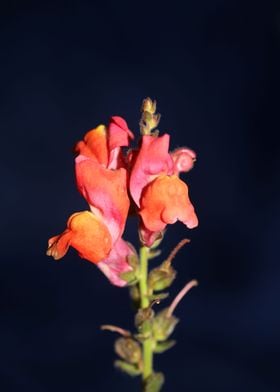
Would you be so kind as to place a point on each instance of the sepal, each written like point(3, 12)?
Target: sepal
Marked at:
point(134, 294)
point(161, 278)
point(127, 368)
point(161, 347)
point(163, 325)
point(129, 350)
point(131, 277)
point(154, 382)
point(159, 296)
point(144, 322)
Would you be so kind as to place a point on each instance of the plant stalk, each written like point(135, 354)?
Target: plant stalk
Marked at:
point(147, 345)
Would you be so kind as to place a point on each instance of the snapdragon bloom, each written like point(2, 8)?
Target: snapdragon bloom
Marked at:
point(158, 192)
point(102, 180)
point(109, 180)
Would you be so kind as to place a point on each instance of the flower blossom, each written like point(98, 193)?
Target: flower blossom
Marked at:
point(158, 192)
point(101, 178)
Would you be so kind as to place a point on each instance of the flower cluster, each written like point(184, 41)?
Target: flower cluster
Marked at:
point(117, 182)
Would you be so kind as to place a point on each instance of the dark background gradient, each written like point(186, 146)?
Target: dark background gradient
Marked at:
point(213, 67)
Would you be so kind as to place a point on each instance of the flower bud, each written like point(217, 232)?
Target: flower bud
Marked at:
point(128, 349)
point(163, 326)
point(149, 106)
point(149, 119)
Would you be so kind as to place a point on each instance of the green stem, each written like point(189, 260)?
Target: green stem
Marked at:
point(143, 286)
point(143, 281)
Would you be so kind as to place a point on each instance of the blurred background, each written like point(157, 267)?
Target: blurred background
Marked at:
point(213, 67)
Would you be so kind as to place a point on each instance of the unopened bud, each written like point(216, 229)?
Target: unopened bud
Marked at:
point(149, 119)
point(128, 349)
point(149, 106)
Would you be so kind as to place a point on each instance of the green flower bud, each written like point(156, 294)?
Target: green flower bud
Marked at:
point(163, 326)
point(149, 106)
point(149, 119)
point(128, 349)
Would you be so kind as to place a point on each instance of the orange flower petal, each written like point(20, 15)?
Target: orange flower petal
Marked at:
point(164, 201)
point(87, 234)
point(151, 161)
point(94, 145)
point(105, 190)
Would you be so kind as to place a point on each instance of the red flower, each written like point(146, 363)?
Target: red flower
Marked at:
point(162, 198)
point(102, 180)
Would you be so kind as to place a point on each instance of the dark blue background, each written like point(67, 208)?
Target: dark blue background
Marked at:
point(213, 67)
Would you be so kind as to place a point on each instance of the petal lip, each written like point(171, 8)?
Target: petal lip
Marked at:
point(84, 232)
point(166, 201)
point(119, 134)
point(121, 124)
point(94, 145)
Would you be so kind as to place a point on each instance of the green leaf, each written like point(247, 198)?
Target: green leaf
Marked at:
point(161, 347)
point(154, 382)
point(127, 368)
